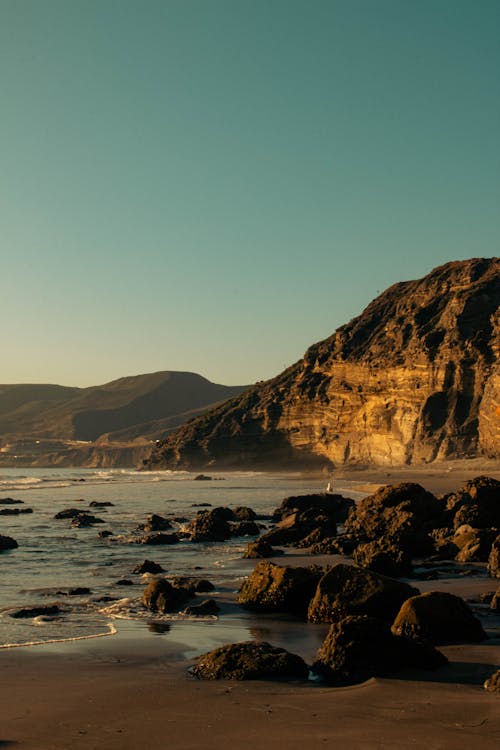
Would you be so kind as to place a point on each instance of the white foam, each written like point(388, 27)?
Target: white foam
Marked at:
point(111, 631)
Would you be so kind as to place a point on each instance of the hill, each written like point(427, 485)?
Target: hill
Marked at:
point(413, 379)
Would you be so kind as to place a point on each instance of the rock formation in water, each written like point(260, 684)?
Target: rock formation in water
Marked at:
point(413, 379)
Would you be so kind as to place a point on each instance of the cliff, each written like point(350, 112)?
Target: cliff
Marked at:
point(413, 379)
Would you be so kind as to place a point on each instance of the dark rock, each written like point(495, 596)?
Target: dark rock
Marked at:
point(82, 520)
point(383, 557)
point(348, 590)
point(341, 545)
point(161, 596)
point(244, 528)
point(474, 545)
point(101, 504)
point(10, 501)
point(192, 584)
point(148, 566)
point(206, 607)
point(77, 591)
point(403, 513)
point(242, 513)
point(14, 511)
point(438, 617)
point(477, 503)
point(104, 534)
point(253, 660)
point(272, 588)
point(359, 647)
point(155, 522)
point(260, 549)
point(201, 505)
point(157, 539)
point(303, 528)
point(48, 610)
point(492, 684)
point(202, 478)
point(124, 582)
point(494, 559)
point(68, 513)
point(106, 599)
point(495, 601)
point(211, 526)
point(335, 507)
point(7, 542)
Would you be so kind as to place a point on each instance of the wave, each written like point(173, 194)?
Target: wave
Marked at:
point(111, 631)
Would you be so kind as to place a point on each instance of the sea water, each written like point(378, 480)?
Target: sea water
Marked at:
point(53, 557)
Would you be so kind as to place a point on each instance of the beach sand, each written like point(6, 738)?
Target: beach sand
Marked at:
point(127, 693)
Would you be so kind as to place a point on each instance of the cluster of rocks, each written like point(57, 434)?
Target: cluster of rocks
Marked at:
point(166, 596)
point(378, 625)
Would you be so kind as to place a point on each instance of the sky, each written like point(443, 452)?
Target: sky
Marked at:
point(214, 185)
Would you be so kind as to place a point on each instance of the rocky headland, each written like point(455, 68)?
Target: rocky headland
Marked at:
point(414, 379)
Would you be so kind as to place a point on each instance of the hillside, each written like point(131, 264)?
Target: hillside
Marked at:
point(45, 424)
point(413, 379)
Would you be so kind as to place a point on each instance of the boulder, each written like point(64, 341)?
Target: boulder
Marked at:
point(161, 596)
point(492, 684)
point(68, 513)
point(7, 542)
point(14, 511)
point(10, 501)
point(148, 566)
point(260, 549)
point(104, 534)
point(334, 506)
point(474, 545)
point(476, 503)
point(157, 539)
point(359, 647)
point(211, 526)
point(404, 513)
point(252, 660)
point(194, 585)
point(244, 528)
point(349, 590)
point(273, 588)
point(341, 545)
point(242, 513)
point(155, 522)
point(124, 582)
point(495, 601)
point(303, 528)
point(83, 520)
point(206, 607)
point(494, 559)
point(438, 617)
point(49, 610)
point(383, 557)
point(101, 504)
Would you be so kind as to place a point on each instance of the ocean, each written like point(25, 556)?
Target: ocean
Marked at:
point(53, 557)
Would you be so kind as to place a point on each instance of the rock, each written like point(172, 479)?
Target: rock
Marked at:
point(124, 582)
point(148, 566)
point(438, 617)
point(474, 545)
point(348, 590)
point(14, 511)
point(303, 528)
point(359, 647)
point(272, 588)
point(7, 542)
point(494, 559)
point(495, 601)
point(244, 528)
point(46, 611)
point(68, 513)
point(161, 596)
point(155, 522)
point(477, 503)
point(202, 478)
point(403, 514)
point(201, 505)
point(253, 660)
point(211, 526)
point(82, 520)
point(194, 585)
point(201, 585)
point(242, 513)
point(341, 545)
point(157, 539)
point(100, 504)
point(333, 506)
point(104, 534)
point(492, 684)
point(260, 549)
point(206, 607)
point(10, 501)
point(76, 591)
point(384, 558)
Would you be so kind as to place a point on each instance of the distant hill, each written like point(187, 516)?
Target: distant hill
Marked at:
point(140, 407)
point(414, 379)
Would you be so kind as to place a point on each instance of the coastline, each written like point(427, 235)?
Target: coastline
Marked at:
point(133, 690)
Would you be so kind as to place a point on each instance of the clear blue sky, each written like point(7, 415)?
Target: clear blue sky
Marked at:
point(214, 185)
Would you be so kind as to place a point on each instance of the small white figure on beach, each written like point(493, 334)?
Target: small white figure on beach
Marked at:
point(329, 486)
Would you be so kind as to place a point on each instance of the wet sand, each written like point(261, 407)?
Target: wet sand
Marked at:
point(126, 692)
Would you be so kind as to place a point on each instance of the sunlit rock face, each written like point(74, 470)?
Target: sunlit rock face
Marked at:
point(413, 379)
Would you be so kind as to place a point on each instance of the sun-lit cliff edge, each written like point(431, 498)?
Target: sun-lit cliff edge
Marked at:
point(413, 379)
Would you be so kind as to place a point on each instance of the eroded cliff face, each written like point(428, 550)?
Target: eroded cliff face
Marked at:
point(414, 378)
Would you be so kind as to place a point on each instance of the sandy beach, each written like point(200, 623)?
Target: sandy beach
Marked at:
point(127, 691)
